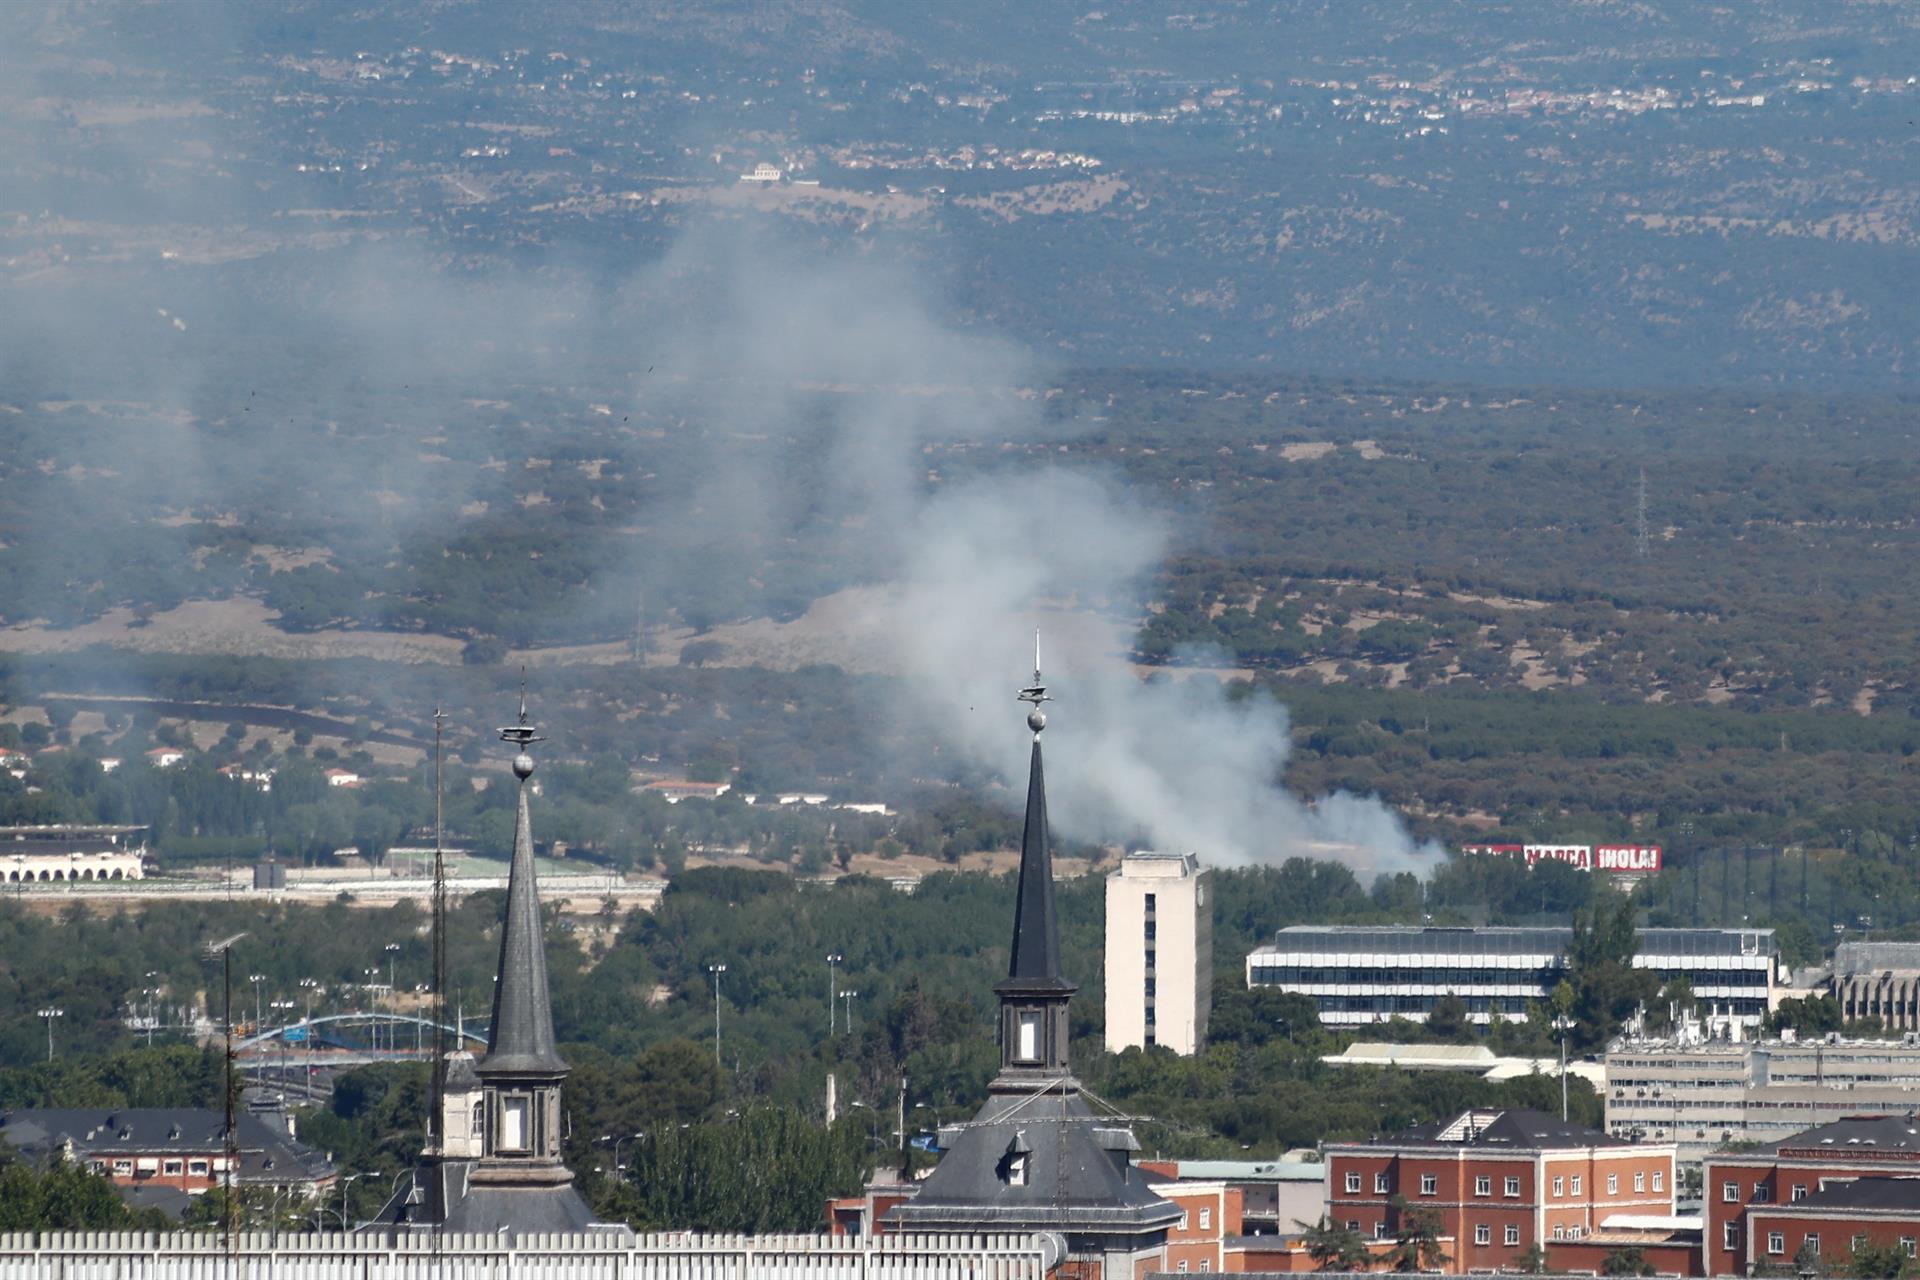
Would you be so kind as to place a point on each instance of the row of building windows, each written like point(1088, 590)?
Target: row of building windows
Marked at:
point(1777, 1243)
point(1417, 1004)
point(1762, 1193)
point(1270, 973)
point(124, 1167)
point(1430, 1185)
point(1563, 1185)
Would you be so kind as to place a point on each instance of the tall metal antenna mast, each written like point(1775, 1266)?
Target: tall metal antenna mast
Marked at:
point(1641, 541)
point(436, 1138)
point(231, 1143)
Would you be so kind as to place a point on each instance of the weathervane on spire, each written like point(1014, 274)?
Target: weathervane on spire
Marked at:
point(523, 734)
point(1036, 693)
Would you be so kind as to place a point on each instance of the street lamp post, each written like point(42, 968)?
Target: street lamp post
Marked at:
point(833, 959)
point(372, 975)
point(1563, 1024)
point(346, 1181)
point(152, 993)
point(282, 1010)
point(393, 996)
point(311, 987)
point(49, 1014)
point(849, 997)
point(256, 979)
point(716, 970)
point(616, 1140)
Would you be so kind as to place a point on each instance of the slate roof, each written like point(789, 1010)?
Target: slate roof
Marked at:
point(1519, 1129)
point(521, 1042)
point(1099, 1191)
point(1900, 1195)
point(268, 1154)
point(1036, 926)
point(439, 1197)
point(1857, 1133)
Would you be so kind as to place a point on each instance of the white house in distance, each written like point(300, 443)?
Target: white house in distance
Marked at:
point(165, 757)
point(343, 778)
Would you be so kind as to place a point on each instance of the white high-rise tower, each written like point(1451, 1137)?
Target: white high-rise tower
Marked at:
point(1159, 952)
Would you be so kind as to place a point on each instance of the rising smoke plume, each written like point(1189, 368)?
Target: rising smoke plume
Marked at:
point(972, 566)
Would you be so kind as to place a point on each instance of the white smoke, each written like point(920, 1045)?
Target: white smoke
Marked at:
point(977, 562)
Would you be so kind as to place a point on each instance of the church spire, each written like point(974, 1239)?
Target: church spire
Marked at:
point(1036, 927)
point(522, 1037)
point(1033, 997)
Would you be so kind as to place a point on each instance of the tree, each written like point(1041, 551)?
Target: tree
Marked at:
point(1334, 1247)
point(1606, 988)
point(1417, 1246)
point(1532, 1260)
point(1625, 1262)
point(1880, 1262)
point(65, 1197)
point(1448, 1019)
point(1807, 1015)
point(1674, 1003)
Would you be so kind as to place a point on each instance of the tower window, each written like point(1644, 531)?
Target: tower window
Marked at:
point(1017, 1171)
point(1027, 1041)
point(515, 1113)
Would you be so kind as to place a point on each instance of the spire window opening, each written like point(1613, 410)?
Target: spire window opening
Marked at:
point(1027, 1038)
point(516, 1114)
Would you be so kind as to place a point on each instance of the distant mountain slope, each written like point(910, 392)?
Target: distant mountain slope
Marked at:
point(1610, 192)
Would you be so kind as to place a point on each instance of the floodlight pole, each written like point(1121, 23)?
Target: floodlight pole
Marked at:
point(716, 970)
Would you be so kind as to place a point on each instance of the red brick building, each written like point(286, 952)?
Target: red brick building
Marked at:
point(1784, 1174)
point(1834, 1223)
point(1500, 1181)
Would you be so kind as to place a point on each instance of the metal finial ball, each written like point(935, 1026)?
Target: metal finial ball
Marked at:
point(523, 766)
point(1036, 720)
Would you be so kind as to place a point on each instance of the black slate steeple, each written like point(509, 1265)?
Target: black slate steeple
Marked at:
point(1036, 927)
point(522, 1037)
point(522, 1071)
point(1033, 998)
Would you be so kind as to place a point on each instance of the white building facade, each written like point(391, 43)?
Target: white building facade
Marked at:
point(1363, 974)
point(1159, 952)
point(1701, 1096)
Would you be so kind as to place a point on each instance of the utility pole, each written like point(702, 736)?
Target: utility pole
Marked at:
point(716, 970)
point(437, 1077)
point(833, 958)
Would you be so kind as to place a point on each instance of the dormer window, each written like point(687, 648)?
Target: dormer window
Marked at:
point(1015, 1163)
point(1027, 1036)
